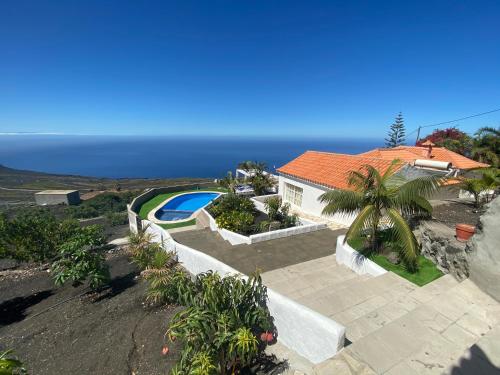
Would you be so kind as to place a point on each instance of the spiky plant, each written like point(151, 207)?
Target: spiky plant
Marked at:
point(220, 327)
point(142, 248)
point(375, 196)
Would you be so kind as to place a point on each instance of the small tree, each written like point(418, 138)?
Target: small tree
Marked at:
point(451, 138)
point(82, 258)
point(396, 134)
point(478, 187)
point(278, 212)
point(375, 196)
point(486, 146)
point(259, 179)
point(229, 182)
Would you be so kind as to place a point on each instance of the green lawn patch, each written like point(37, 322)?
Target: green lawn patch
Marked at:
point(427, 270)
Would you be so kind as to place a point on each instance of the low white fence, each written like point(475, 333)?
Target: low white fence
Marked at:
point(346, 255)
point(312, 335)
point(237, 239)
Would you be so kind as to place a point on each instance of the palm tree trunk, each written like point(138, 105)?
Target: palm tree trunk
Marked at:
point(374, 229)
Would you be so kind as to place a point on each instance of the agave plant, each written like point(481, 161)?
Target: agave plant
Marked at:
point(374, 197)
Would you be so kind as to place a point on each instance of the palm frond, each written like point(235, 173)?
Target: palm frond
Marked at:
point(341, 201)
point(361, 222)
point(390, 171)
point(405, 237)
point(420, 187)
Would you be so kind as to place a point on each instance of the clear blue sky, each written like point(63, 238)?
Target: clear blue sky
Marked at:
point(309, 68)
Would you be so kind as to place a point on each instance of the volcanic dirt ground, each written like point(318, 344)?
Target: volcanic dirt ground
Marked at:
point(113, 332)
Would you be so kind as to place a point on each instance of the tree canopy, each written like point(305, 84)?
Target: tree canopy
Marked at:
point(396, 134)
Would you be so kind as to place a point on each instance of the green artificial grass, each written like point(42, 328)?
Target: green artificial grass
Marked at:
point(178, 225)
point(427, 270)
point(155, 201)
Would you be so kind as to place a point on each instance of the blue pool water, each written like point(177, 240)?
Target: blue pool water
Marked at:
point(183, 206)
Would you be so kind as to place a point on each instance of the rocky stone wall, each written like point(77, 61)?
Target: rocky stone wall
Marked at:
point(440, 245)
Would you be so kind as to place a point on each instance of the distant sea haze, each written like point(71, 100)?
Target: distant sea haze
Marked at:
point(160, 157)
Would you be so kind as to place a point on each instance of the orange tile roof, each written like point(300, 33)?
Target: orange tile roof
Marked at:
point(329, 169)
point(411, 153)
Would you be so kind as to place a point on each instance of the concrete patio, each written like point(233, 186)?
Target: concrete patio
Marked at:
point(266, 255)
point(394, 326)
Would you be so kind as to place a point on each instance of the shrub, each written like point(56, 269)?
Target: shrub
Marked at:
point(100, 205)
point(168, 283)
point(236, 221)
point(10, 365)
point(116, 218)
point(82, 258)
point(34, 235)
point(231, 202)
point(279, 216)
point(220, 327)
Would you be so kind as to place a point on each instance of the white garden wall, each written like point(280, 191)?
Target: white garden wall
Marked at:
point(237, 239)
point(346, 255)
point(310, 200)
point(310, 334)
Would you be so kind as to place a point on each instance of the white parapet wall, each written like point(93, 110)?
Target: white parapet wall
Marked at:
point(346, 255)
point(310, 334)
point(233, 238)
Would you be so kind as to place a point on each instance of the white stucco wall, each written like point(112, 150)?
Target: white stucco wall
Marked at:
point(346, 255)
point(312, 335)
point(310, 200)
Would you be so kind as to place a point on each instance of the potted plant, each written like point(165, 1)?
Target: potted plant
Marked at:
point(464, 231)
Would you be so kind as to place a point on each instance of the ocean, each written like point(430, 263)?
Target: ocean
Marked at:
point(159, 157)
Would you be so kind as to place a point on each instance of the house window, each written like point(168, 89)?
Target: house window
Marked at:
point(293, 194)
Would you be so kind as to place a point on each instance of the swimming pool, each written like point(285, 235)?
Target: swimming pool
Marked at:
point(183, 206)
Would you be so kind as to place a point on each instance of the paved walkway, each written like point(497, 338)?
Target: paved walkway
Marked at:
point(266, 255)
point(394, 326)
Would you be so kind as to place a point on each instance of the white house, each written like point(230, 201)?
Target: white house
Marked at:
point(303, 180)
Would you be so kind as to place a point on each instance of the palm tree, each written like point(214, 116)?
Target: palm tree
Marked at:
point(388, 196)
point(229, 182)
point(258, 178)
point(475, 187)
point(486, 146)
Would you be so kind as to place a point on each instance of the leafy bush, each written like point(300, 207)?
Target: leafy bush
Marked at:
point(231, 202)
point(82, 258)
point(10, 365)
point(168, 281)
point(278, 214)
point(142, 249)
point(34, 235)
point(220, 327)
point(101, 204)
point(236, 221)
point(116, 218)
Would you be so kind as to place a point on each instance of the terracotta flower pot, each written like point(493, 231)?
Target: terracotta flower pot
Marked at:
point(464, 231)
